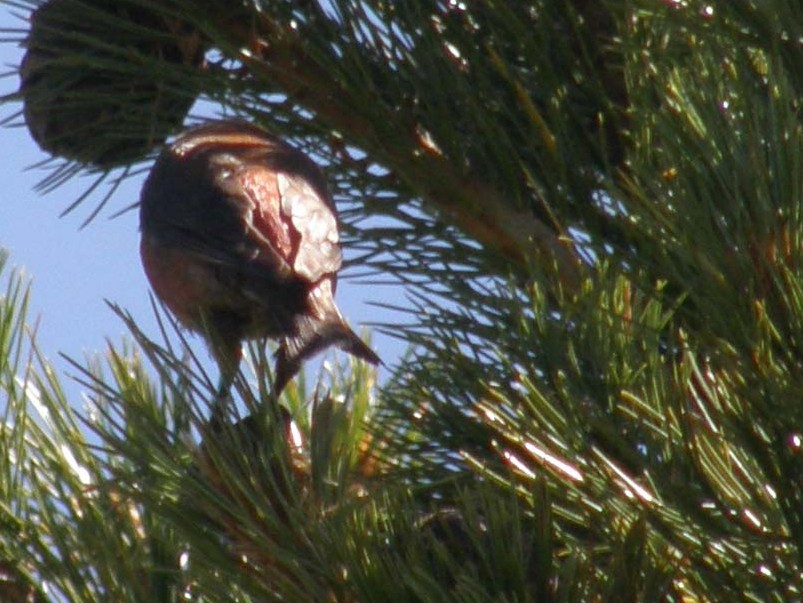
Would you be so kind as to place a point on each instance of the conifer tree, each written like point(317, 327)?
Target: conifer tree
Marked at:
point(594, 209)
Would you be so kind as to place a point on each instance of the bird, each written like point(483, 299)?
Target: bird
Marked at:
point(240, 240)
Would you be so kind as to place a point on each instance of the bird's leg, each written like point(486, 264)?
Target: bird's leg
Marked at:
point(227, 350)
point(228, 363)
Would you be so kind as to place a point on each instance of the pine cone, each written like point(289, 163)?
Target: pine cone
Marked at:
point(98, 79)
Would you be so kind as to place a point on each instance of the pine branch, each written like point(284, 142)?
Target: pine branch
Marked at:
point(625, 427)
point(403, 145)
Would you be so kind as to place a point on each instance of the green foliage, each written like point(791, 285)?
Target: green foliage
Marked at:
point(595, 210)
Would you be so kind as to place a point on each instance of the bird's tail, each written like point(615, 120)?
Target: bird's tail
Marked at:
point(313, 337)
point(351, 343)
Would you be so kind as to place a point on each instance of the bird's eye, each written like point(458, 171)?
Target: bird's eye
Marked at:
point(225, 164)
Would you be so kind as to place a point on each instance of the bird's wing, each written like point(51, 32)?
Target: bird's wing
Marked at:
point(268, 236)
point(264, 211)
point(223, 211)
point(312, 218)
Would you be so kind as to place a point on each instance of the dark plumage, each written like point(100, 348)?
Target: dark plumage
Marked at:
point(240, 240)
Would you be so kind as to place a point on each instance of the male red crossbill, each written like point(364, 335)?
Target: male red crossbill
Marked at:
point(240, 241)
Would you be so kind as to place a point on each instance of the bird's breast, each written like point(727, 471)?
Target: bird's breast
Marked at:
point(178, 279)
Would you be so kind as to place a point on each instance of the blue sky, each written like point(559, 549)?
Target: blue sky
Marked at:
point(74, 270)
